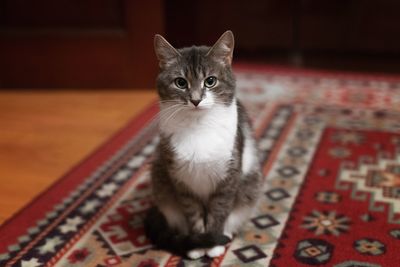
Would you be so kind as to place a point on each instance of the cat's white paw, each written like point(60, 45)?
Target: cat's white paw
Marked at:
point(196, 253)
point(216, 251)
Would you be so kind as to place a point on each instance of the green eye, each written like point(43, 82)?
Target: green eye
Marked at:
point(181, 83)
point(210, 82)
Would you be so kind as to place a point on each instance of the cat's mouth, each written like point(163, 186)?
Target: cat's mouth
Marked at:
point(199, 108)
point(203, 105)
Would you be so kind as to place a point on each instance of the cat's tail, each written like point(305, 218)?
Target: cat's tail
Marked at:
point(157, 230)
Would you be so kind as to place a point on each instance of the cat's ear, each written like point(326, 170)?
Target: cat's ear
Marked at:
point(165, 52)
point(222, 50)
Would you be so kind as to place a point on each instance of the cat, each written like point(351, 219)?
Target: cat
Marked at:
point(206, 176)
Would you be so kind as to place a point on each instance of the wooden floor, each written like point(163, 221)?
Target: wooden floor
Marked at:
point(44, 133)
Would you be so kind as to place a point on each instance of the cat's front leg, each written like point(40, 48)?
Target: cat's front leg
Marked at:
point(219, 207)
point(218, 211)
point(194, 212)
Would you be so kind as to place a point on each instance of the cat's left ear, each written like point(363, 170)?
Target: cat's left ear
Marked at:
point(222, 50)
point(165, 52)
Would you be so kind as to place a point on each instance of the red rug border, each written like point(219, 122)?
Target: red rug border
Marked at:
point(35, 209)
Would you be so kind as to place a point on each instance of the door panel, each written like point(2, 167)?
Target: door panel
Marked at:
point(79, 44)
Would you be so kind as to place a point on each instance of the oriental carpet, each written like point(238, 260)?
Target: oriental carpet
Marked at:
point(330, 148)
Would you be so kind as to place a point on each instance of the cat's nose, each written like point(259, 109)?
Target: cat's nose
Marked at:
point(195, 102)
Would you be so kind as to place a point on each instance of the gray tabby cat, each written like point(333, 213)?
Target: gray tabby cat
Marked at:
point(206, 176)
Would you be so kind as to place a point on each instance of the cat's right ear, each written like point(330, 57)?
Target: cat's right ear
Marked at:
point(165, 52)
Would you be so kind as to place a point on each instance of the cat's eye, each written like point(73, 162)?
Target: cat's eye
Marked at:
point(210, 82)
point(181, 83)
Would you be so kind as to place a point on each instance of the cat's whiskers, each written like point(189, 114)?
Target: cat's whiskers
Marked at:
point(165, 111)
point(175, 112)
point(165, 106)
point(169, 101)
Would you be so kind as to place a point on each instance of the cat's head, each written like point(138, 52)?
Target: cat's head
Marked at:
point(198, 77)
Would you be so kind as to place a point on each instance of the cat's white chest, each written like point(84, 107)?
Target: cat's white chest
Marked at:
point(203, 148)
point(203, 143)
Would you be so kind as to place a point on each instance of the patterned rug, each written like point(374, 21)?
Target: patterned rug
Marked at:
point(330, 145)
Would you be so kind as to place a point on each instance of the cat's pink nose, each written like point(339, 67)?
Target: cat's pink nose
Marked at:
point(195, 102)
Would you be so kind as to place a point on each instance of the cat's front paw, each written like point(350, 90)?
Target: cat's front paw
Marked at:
point(215, 251)
point(195, 254)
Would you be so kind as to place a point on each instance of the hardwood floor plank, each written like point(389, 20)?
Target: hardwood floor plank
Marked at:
point(44, 133)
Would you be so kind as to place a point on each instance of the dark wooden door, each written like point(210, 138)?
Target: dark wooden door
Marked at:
point(78, 43)
point(350, 26)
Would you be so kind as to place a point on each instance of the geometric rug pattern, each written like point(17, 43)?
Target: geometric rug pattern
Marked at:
point(330, 147)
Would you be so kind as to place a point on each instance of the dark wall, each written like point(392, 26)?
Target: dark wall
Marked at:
point(109, 43)
point(261, 24)
point(301, 31)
